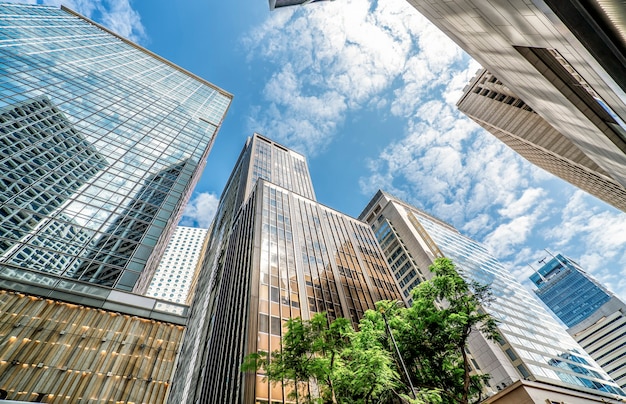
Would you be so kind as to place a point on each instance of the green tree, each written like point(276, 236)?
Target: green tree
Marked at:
point(368, 372)
point(344, 366)
point(432, 334)
point(425, 343)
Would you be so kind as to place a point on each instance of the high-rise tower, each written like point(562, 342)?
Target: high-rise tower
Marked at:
point(564, 59)
point(286, 3)
point(594, 316)
point(533, 346)
point(173, 278)
point(491, 104)
point(102, 143)
point(274, 253)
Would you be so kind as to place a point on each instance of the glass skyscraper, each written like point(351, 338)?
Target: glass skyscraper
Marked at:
point(594, 316)
point(533, 346)
point(274, 253)
point(568, 291)
point(101, 144)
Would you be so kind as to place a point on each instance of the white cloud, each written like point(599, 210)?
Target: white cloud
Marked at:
point(117, 15)
point(328, 60)
point(478, 224)
point(336, 58)
point(504, 240)
point(200, 210)
point(120, 17)
point(528, 199)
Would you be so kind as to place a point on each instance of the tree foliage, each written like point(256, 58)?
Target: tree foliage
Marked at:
point(343, 365)
point(432, 334)
point(394, 347)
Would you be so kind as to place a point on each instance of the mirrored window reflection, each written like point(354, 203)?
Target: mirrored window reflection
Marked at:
point(99, 142)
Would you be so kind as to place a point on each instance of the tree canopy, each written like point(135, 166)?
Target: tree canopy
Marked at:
point(423, 346)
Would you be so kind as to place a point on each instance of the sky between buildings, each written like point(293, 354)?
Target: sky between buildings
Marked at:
point(366, 89)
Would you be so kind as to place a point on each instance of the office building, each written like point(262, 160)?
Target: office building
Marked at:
point(532, 346)
point(175, 274)
point(101, 144)
point(565, 60)
point(286, 3)
point(491, 104)
point(594, 316)
point(274, 253)
point(568, 291)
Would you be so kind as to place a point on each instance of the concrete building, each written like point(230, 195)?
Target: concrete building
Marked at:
point(101, 144)
point(529, 392)
point(175, 274)
point(594, 316)
point(564, 59)
point(491, 104)
point(533, 345)
point(274, 253)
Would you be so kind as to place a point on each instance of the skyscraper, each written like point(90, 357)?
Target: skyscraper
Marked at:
point(564, 59)
point(286, 3)
point(102, 143)
point(274, 253)
point(594, 316)
point(568, 291)
point(173, 278)
point(492, 105)
point(533, 345)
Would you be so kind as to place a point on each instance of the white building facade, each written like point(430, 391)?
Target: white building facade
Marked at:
point(174, 275)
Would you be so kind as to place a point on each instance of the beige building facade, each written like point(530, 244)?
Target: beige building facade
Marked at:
point(532, 392)
point(491, 104)
point(564, 59)
point(532, 345)
point(119, 348)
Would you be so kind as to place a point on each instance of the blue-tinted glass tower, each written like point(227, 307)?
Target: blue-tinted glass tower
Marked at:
point(101, 144)
point(594, 316)
point(568, 291)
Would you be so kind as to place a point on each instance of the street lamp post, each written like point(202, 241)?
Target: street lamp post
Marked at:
point(393, 340)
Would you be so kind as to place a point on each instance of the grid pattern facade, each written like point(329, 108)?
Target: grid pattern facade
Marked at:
point(282, 255)
point(544, 50)
point(172, 279)
point(595, 317)
point(402, 264)
point(497, 109)
point(605, 339)
point(281, 166)
point(536, 347)
point(568, 291)
point(111, 137)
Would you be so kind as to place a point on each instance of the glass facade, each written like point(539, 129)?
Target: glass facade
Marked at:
point(568, 291)
point(101, 143)
point(594, 316)
point(536, 345)
point(280, 255)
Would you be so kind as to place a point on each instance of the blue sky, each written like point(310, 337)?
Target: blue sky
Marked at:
point(366, 90)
